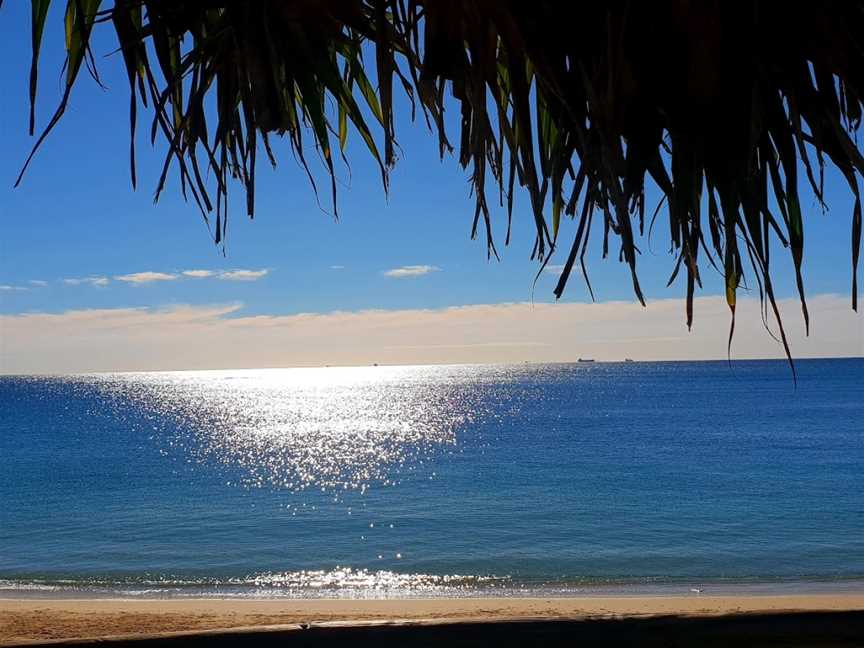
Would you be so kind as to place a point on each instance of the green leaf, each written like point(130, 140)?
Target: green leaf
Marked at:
point(343, 126)
point(39, 13)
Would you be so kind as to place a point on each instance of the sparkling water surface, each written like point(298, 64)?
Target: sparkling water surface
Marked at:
point(434, 480)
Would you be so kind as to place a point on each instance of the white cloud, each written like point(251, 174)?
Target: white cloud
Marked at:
point(185, 337)
point(243, 275)
point(337, 267)
point(140, 278)
point(410, 271)
point(145, 277)
point(8, 288)
point(38, 283)
point(555, 269)
point(92, 281)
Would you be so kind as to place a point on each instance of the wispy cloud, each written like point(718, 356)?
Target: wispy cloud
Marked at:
point(145, 277)
point(150, 276)
point(184, 337)
point(38, 283)
point(410, 271)
point(243, 275)
point(82, 281)
point(556, 269)
point(337, 267)
point(8, 288)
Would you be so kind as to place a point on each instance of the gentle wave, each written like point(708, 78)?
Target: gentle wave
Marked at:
point(348, 583)
point(343, 582)
point(339, 579)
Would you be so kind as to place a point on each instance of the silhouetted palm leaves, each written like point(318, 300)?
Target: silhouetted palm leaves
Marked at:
point(718, 102)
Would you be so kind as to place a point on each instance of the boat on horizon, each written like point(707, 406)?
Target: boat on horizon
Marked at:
point(585, 360)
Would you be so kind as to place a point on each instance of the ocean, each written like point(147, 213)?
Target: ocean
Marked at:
point(423, 481)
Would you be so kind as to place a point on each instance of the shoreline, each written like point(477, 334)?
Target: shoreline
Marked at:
point(44, 590)
point(28, 620)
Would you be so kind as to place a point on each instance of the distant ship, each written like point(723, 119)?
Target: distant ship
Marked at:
point(628, 359)
point(585, 360)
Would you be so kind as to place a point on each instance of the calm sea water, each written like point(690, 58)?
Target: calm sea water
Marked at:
point(425, 481)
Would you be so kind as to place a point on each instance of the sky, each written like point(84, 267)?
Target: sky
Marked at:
point(95, 277)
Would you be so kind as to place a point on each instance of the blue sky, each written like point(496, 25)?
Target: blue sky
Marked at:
point(75, 216)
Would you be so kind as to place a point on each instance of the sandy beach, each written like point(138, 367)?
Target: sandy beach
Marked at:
point(28, 620)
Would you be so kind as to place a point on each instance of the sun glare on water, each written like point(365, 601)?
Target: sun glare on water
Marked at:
point(329, 428)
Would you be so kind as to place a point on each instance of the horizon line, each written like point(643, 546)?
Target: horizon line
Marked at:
point(384, 365)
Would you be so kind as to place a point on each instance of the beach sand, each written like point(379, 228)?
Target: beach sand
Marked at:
point(25, 620)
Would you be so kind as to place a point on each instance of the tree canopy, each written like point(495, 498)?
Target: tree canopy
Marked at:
point(721, 104)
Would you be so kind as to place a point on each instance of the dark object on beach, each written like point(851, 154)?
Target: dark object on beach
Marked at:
point(720, 104)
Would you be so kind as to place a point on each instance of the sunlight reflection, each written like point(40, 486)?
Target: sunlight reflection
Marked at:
point(334, 428)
